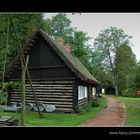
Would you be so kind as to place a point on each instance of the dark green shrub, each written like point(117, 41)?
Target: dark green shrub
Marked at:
point(3, 98)
point(5, 90)
point(129, 93)
point(85, 108)
point(95, 102)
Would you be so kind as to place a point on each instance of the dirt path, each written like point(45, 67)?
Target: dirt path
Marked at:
point(113, 115)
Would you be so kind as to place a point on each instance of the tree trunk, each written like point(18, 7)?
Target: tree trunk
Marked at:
point(23, 112)
point(116, 90)
point(116, 84)
point(23, 95)
point(115, 74)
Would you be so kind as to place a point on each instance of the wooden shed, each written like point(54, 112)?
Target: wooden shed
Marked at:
point(59, 78)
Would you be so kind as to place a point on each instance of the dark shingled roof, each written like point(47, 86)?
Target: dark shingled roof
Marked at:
point(72, 62)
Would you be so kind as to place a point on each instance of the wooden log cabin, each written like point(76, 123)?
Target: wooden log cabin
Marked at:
point(59, 78)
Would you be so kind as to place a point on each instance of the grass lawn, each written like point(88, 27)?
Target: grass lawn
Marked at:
point(133, 110)
point(59, 119)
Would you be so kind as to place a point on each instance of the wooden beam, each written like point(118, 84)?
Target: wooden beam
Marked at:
point(89, 92)
point(23, 113)
point(23, 90)
point(75, 96)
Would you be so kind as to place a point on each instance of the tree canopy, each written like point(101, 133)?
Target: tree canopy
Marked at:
point(59, 26)
point(107, 43)
point(125, 66)
point(25, 24)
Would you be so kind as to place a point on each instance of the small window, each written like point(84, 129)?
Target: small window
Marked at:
point(82, 92)
point(85, 92)
point(103, 90)
point(94, 91)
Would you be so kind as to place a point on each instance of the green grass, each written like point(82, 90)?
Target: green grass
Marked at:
point(59, 119)
point(133, 110)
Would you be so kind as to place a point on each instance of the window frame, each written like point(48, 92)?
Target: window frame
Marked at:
point(82, 92)
point(94, 91)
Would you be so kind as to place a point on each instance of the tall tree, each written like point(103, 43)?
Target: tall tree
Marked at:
point(80, 46)
point(25, 25)
point(106, 43)
point(96, 68)
point(125, 64)
point(59, 26)
point(137, 76)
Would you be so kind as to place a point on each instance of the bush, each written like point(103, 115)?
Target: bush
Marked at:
point(129, 93)
point(4, 91)
point(95, 102)
point(3, 98)
point(85, 108)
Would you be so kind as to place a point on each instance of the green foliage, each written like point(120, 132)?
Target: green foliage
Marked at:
point(81, 48)
point(59, 26)
point(96, 67)
point(12, 85)
point(96, 102)
point(3, 98)
point(137, 76)
point(6, 87)
point(129, 92)
point(25, 24)
point(85, 109)
point(125, 66)
point(106, 44)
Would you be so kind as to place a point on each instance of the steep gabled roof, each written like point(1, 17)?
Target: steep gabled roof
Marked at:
point(72, 62)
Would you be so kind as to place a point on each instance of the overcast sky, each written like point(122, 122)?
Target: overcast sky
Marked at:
point(93, 23)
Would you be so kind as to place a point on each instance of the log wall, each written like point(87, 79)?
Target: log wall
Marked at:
point(58, 93)
point(82, 103)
